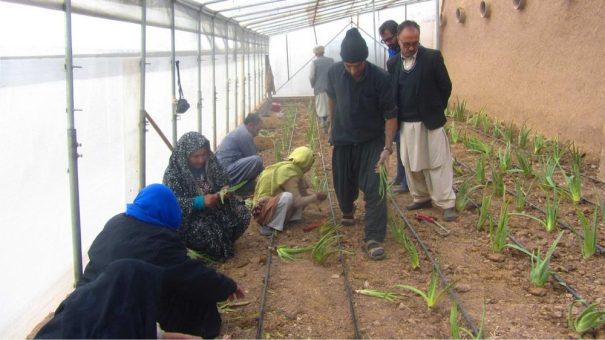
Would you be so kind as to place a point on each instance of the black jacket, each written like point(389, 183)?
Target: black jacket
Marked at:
point(435, 85)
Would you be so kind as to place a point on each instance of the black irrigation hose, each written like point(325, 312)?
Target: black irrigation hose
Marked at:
point(452, 293)
point(341, 257)
point(567, 169)
point(556, 277)
point(562, 224)
point(263, 298)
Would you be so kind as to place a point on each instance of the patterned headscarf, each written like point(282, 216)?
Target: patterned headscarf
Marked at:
point(178, 175)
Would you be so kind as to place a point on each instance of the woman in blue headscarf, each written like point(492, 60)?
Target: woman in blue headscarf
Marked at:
point(147, 231)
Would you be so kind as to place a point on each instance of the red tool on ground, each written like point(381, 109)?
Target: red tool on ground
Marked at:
point(443, 231)
point(311, 226)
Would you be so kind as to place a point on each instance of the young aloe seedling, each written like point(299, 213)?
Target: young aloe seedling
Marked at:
point(463, 195)
point(384, 187)
point(277, 146)
point(574, 186)
point(476, 145)
point(556, 151)
point(455, 328)
point(504, 158)
point(229, 190)
point(198, 255)
point(288, 254)
point(589, 242)
point(524, 163)
point(538, 144)
point(523, 136)
point(540, 270)
point(548, 172)
point(576, 159)
point(484, 215)
point(497, 181)
point(521, 195)
point(455, 135)
point(459, 110)
point(403, 240)
point(325, 247)
point(388, 296)
point(432, 295)
point(508, 133)
point(498, 237)
point(480, 170)
point(552, 211)
point(589, 318)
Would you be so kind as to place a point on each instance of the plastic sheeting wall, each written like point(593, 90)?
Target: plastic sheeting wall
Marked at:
point(301, 43)
point(35, 247)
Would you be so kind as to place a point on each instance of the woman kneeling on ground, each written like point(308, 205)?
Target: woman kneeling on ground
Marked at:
point(281, 192)
point(194, 174)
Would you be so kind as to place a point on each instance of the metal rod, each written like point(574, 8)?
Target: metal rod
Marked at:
point(236, 77)
point(374, 32)
point(72, 150)
point(141, 124)
point(227, 80)
point(263, 13)
point(248, 6)
point(254, 74)
point(287, 58)
point(214, 98)
point(159, 131)
point(273, 15)
point(172, 71)
point(242, 77)
point(248, 84)
point(437, 26)
point(199, 74)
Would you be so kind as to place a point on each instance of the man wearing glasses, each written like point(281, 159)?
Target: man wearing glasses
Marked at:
point(422, 88)
point(388, 34)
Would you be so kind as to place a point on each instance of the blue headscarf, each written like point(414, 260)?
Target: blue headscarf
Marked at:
point(156, 204)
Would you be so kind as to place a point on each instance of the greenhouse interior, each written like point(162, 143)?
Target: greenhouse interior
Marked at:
point(480, 161)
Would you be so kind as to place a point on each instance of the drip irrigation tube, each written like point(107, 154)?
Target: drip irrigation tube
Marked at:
point(452, 293)
point(562, 224)
point(341, 257)
point(263, 297)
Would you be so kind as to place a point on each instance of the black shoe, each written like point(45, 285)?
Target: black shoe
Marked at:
point(419, 205)
point(450, 214)
point(265, 231)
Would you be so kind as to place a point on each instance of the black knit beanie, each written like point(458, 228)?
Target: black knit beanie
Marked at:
point(353, 48)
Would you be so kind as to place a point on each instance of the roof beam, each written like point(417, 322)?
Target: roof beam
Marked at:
point(290, 14)
point(247, 6)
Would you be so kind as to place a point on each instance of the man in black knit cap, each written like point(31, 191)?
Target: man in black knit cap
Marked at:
point(363, 118)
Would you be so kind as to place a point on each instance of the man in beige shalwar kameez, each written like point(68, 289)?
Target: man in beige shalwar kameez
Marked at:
point(422, 89)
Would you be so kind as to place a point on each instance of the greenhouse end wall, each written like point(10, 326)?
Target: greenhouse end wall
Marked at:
point(542, 65)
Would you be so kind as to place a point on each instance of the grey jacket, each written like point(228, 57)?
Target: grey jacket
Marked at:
point(319, 73)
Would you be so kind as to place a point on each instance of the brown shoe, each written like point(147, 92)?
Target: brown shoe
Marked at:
point(419, 205)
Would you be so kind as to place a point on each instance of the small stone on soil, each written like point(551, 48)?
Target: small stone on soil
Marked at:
point(537, 291)
point(335, 276)
point(463, 288)
point(496, 257)
point(366, 284)
point(401, 306)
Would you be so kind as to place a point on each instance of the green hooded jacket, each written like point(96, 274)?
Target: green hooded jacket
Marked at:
point(270, 181)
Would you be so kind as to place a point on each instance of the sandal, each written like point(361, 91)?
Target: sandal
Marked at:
point(374, 250)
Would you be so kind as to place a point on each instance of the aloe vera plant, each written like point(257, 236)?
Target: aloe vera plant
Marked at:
point(459, 110)
point(477, 145)
point(523, 136)
point(277, 147)
point(576, 159)
point(498, 236)
point(497, 181)
point(548, 172)
point(521, 195)
point(228, 190)
point(524, 163)
point(508, 133)
point(325, 247)
point(384, 187)
point(400, 236)
point(505, 160)
point(574, 186)
point(288, 253)
point(454, 134)
point(198, 255)
point(463, 195)
point(590, 318)
point(388, 296)
point(432, 294)
point(455, 328)
point(484, 214)
point(551, 209)
point(556, 151)
point(589, 228)
point(480, 170)
point(540, 267)
point(538, 143)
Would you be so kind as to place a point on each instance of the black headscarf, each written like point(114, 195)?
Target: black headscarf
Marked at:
point(353, 48)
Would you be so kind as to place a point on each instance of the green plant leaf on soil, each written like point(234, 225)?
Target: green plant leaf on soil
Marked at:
point(590, 318)
point(432, 294)
point(589, 239)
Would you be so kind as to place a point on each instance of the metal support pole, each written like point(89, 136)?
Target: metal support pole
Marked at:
point(242, 77)
point(236, 77)
point(214, 98)
point(254, 73)
point(142, 125)
point(248, 70)
point(199, 73)
point(437, 26)
point(287, 57)
point(172, 71)
point(374, 42)
point(405, 11)
point(227, 78)
point(72, 150)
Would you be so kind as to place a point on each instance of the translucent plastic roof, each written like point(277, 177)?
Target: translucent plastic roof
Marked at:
point(273, 17)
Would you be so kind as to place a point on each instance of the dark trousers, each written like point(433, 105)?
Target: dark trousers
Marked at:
point(354, 168)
